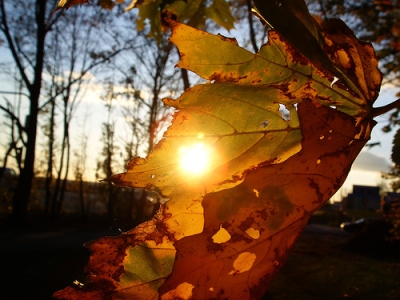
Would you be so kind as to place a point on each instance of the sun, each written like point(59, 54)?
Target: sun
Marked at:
point(194, 159)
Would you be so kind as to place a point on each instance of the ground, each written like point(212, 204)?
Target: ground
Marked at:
point(39, 261)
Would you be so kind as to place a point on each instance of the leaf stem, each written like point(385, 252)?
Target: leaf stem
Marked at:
point(378, 111)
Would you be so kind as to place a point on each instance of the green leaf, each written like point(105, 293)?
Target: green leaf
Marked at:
point(239, 131)
point(248, 86)
point(146, 266)
point(276, 64)
point(219, 12)
point(193, 12)
point(150, 11)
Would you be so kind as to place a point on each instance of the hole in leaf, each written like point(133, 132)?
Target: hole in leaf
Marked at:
point(182, 291)
point(222, 236)
point(78, 284)
point(257, 192)
point(335, 79)
point(154, 197)
point(285, 113)
point(265, 124)
point(243, 263)
point(164, 200)
point(253, 233)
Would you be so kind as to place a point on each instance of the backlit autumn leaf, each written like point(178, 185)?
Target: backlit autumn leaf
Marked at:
point(266, 212)
point(106, 4)
point(192, 12)
point(68, 3)
point(276, 136)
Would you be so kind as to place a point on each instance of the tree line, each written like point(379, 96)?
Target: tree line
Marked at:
point(53, 60)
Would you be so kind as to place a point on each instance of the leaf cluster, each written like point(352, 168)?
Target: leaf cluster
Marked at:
point(193, 12)
point(281, 127)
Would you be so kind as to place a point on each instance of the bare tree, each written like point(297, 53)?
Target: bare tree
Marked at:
point(24, 27)
point(80, 166)
point(150, 78)
point(51, 78)
point(146, 76)
point(107, 163)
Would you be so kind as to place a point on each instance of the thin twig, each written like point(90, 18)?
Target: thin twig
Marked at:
point(378, 111)
point(14, 118)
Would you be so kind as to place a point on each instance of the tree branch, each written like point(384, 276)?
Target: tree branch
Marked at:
point(11, 45)
point(14, 93)
point(82, 74)
point(13, 117)
point(185, 79)
point(378, 111)
point(251, 27)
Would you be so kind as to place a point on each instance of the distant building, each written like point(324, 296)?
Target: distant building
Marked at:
point(363, 197)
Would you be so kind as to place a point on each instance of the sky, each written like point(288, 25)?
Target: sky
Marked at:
point(368, 167)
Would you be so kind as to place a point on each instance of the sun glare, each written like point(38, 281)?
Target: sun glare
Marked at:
point(195, 159)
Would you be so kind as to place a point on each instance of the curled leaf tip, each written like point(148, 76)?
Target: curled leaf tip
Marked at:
point(69, 3)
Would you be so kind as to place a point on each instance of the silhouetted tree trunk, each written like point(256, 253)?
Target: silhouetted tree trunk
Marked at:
point(59, 184)
point(50, 158)
point(81, 197)
point(251, 26)
point(24, 186)
point(12, 145)
point(80, 167)
point(109, 148)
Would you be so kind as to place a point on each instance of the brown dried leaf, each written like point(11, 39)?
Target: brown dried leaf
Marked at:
point(264, 215)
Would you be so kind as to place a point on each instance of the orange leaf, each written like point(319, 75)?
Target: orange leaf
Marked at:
point(264, 215)
point(68, 3)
